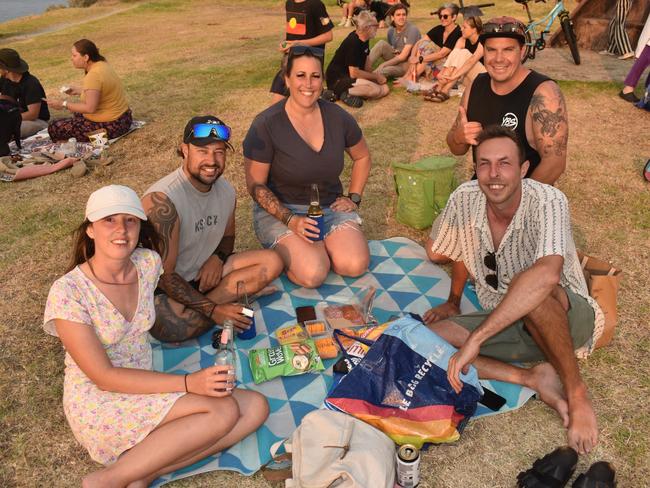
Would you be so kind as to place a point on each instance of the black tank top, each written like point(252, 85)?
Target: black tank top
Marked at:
point(509, 110)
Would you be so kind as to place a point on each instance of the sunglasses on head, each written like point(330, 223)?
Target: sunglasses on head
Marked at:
point(220, 131)
point(491, 27)
point(301, 49)
point(490, 262)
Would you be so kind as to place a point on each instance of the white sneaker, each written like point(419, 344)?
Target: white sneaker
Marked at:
point(343, 21)
point(348, 22)
point(627, 55)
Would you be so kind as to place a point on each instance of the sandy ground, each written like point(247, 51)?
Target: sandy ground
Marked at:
point(558, 64)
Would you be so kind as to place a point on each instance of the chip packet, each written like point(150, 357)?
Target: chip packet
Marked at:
point(285, 360)
point(291, 334)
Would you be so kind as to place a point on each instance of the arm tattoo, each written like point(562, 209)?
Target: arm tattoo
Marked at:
point(553, 125)
point(163, 216)
point(171, 326)
point(180, 290)
point(266, 199)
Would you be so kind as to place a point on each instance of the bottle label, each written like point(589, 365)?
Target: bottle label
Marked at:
point(225, 336)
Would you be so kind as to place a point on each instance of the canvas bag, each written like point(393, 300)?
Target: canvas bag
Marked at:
point(332, 449)
point(423, 189)
point(603, 280)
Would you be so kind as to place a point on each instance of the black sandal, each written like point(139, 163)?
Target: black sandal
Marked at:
point(351, 100)
point(599, 475)
point(552, 471)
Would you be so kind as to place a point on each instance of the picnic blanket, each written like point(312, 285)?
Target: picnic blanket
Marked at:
point(41, 141)
point(406, 281)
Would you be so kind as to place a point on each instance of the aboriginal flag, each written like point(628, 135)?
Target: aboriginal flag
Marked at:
point(296, 23)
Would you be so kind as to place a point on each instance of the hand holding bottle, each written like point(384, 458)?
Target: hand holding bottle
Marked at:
point(214, 381)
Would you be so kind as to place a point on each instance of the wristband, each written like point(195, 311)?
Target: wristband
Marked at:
point(221, 255)
point(185, 380)
point(288, 219)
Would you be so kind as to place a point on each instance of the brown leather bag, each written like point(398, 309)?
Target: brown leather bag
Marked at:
point(602, 280)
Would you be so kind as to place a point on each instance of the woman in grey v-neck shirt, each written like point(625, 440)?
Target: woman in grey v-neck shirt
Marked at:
point(290, 146)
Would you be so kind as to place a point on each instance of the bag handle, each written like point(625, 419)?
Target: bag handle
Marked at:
point(585, 260)
point(362, 340)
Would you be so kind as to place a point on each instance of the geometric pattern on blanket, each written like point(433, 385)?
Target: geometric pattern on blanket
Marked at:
point(406, 281)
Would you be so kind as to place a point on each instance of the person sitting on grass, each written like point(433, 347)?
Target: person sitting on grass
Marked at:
point(19, 84)
point(138, 423)
point(102, 104)
point(463, 63)
point(434, 47)
point(513, 234)
point(351, 8)
point(193, 210)
point(349, 75)
point(401, 36)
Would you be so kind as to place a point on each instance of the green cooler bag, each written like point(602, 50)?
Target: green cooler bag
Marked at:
point(423, 189)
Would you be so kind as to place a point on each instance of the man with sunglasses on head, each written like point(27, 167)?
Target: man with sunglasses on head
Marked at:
point(514, 236)
point(193, 210)
point(307, 23)
point(515, 97)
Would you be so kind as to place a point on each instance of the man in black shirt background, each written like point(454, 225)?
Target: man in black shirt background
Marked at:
point(516, 97)
point(17, 83)
point(349, 74)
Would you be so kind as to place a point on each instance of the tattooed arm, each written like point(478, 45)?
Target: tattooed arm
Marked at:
point(161, 212)
point(257, 174)
point(548, 122)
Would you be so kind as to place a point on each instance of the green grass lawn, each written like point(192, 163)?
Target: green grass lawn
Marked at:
point(180, 58)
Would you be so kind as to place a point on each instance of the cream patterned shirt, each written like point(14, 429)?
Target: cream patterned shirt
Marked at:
point(540, 227)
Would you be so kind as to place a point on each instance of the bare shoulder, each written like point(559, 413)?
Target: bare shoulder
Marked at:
point(548, 110)
point(547, 95)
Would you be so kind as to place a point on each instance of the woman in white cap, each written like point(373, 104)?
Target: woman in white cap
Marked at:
point(137, 422)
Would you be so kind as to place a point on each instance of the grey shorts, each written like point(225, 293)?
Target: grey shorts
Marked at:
point(270, 230)
point(516, 344)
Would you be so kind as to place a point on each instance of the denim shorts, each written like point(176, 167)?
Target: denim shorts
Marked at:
point(270, 230)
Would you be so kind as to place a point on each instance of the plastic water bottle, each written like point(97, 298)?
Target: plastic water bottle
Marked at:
point(70, 147)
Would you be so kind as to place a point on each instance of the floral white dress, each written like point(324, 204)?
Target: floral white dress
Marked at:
point(107, 423)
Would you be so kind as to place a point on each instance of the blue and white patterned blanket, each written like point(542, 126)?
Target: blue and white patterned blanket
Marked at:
point(406, 281)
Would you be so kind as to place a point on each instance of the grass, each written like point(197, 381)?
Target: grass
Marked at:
point(180, 58)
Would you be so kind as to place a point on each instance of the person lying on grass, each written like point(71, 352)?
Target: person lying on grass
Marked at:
point(514, 236)
point(137, 422)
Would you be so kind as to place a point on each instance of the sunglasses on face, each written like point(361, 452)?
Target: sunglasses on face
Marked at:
point(443, 16)
point(490, 262)
point(301, 49)
point(508, 27)
point(220, 131)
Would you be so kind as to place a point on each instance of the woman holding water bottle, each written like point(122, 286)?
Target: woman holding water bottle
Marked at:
point(139, 423)
point(291, 146)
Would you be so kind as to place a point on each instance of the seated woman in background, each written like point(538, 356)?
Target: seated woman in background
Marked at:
point(463, 63)
point(102, 102)
point(296, 143)
point(139, 423)
point(18, 83)
point(435, 46)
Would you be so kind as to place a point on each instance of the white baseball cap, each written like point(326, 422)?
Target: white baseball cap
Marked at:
point(111, 200)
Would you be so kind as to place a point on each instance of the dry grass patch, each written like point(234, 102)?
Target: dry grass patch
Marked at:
point(186, 57)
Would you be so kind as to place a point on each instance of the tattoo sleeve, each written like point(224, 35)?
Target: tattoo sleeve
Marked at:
point(163, 216)
point(551, 127)
point(266, 199)
point(180, 290)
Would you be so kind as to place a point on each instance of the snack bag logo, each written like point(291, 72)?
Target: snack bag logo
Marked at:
point(510, 121)
point(275, 356)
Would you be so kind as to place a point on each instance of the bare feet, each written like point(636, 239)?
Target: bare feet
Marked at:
point(583, 427)
point(548, 386)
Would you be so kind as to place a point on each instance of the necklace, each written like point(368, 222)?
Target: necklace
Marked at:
point(106, 282)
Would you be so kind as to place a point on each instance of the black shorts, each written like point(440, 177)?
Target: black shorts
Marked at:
point(194, 284)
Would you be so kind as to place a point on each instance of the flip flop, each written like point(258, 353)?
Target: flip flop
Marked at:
point(351, 100)
point(438, 97)
point(599, 475)
point(429, 94)
point(552, 471)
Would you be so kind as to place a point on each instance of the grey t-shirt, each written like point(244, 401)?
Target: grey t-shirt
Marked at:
point(409, 35)
point(295, 165)
point(203, 218)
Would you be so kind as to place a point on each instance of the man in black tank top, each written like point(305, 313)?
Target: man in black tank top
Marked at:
point(513, 96)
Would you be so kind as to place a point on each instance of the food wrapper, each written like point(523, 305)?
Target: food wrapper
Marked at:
point(285, 360)
point(291, 334)
point(354, 314)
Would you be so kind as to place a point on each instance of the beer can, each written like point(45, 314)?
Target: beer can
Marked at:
point(408, 466)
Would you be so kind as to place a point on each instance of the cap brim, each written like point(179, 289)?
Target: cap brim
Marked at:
point(116, 209)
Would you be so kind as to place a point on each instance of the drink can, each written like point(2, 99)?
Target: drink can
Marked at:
point(408, 466)
point(250, 332)
point(320, 222)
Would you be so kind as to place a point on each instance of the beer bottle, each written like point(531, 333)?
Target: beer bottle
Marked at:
point(315, 212)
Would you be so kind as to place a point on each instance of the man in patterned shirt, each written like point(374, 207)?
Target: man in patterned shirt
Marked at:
point(514, 236)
